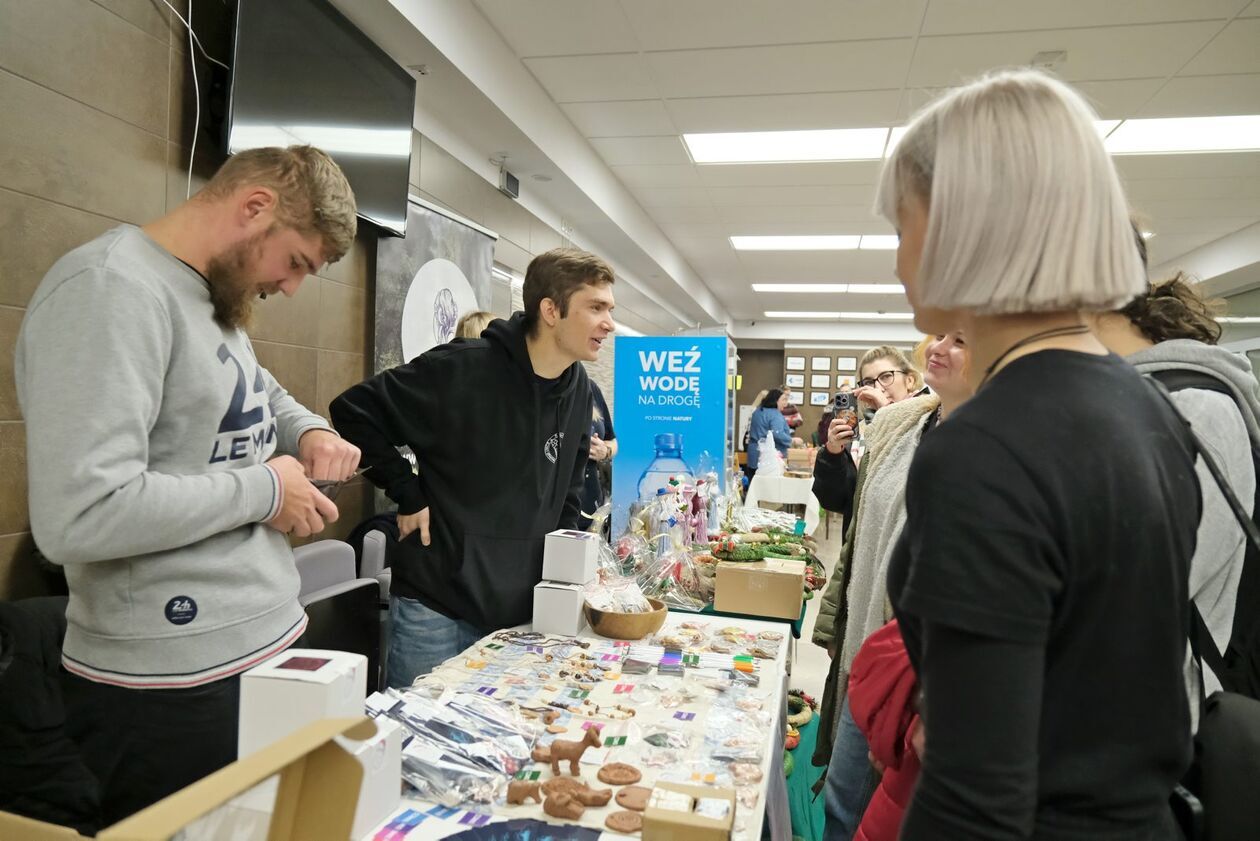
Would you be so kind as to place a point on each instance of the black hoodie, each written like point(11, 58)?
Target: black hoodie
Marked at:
point(501, 456)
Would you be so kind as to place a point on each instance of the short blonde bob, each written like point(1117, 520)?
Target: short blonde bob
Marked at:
point(1025, 210)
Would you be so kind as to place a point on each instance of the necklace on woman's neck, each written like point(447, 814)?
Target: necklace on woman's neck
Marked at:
point(1053, 332)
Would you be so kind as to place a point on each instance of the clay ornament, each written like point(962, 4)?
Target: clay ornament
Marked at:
point(572, 751)
point(626, 822)
point(634, 797)
point(563, 806)
point(519, 791)
point(619, 774)
point(593, 797)
point(540, 753)
point(562, 785)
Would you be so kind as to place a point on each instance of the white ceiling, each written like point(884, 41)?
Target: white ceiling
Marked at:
point(594, 95)
point(633, 75)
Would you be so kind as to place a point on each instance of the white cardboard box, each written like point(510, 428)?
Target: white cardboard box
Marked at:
point(558, 608)
point(381, 758)
point(295, 688)
point(570, 556)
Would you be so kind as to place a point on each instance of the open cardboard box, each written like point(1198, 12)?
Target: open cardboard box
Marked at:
point(316, 801)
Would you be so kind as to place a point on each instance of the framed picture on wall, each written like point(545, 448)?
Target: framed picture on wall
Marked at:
point(796, 363)
point(846, 363)
point(819, 398)
point(819, 381)
point(796, 398)
point(820, 363)
point(842, 381)
point(795, 380)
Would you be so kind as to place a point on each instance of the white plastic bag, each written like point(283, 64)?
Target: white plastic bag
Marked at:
point(769, 462)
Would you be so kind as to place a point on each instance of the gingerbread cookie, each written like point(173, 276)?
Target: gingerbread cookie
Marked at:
point(634, 797)
point(619, 774)
point(624, 822)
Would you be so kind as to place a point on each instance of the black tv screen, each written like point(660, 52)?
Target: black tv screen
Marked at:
point(302, 73)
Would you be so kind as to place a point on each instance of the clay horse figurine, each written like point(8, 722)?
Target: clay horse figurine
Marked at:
point(573, 751)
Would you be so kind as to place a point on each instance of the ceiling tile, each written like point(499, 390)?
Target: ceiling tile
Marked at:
point(560, 27)
point(1171, 189)
point(651, 197)
point(819, 266)
point(670, 25)
point(684, 215)
point(1235, 50)
point(634, 118)
point(593, 78)
point(632, 151)
point(1119, 52)
point(949, 17)
point(753, 215)
point(1164, 249)
point(799, 68)
point(1119, 98)
point(1218, 226)
point(761, 175)
point(635, 176)
point(789, 196)
point(1205, 96)
point(1159, 209)
point(785, 112)
point(1212, 165)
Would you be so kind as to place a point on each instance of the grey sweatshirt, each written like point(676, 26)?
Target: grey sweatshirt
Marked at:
point(1227, 429)
point(147, 429)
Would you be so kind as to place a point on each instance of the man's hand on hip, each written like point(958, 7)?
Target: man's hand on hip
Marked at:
point(419, 521)
point(327, 456)
point(303, 509)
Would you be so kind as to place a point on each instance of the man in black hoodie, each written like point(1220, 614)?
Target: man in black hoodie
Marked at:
point(500, 427)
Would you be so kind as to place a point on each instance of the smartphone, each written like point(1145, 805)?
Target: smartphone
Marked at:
point(846, 407)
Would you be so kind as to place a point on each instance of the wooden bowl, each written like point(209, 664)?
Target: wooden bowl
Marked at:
point(626, 626)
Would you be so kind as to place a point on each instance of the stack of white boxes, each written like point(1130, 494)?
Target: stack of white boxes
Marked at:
point(570, 559)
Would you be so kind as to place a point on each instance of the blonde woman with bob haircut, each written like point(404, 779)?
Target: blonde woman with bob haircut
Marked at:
point(1041, 581)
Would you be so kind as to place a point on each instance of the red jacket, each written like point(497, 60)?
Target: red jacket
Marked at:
point(882, 687)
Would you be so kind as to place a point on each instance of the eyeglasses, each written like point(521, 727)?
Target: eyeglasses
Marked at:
point(885, 379)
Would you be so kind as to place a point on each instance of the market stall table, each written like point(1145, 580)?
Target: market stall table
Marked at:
point(784, 490)
point(666, 736)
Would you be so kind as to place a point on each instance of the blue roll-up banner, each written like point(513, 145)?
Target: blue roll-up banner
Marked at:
point(672, 414)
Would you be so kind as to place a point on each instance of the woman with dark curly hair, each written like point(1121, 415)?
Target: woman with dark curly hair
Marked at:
point(1171, 328)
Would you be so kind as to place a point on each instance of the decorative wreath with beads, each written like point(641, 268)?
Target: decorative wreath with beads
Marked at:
point(800, 707)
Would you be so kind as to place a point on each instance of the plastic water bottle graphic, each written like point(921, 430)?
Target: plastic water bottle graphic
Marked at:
point(668, 462)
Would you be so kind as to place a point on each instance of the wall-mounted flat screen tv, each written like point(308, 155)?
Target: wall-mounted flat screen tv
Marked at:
point(302, 73)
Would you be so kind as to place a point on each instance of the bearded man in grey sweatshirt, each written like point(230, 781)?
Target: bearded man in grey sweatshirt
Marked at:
point(167, 466)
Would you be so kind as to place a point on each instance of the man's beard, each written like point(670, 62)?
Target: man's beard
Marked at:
point(231, 291)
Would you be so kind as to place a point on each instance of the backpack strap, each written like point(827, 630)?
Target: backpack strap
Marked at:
point(1201, 642)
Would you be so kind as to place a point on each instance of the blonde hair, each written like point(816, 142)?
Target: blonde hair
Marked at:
point(472, 323)
point(1025, 210)
point(914, 379)
point(312, 194)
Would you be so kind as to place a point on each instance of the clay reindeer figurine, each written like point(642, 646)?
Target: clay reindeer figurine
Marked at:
point(573, 751)
point(519, 791)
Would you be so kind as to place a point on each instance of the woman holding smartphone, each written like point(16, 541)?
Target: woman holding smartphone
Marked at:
point(1041, 580)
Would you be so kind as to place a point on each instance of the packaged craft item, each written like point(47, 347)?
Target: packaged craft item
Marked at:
point(616, 595)
point(673, 579)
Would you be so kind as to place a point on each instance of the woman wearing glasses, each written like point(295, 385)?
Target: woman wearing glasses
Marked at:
point(1040, 583)
point(855, 604)
point(885, 376)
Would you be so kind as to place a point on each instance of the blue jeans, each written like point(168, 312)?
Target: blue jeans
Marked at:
point(850, 779)
point(421, 639)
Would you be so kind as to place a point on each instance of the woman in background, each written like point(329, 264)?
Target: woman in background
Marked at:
point(768, 418)
point(471, 324)
point(603, 449)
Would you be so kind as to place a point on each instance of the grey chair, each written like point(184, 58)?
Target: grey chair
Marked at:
point(343, 612)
